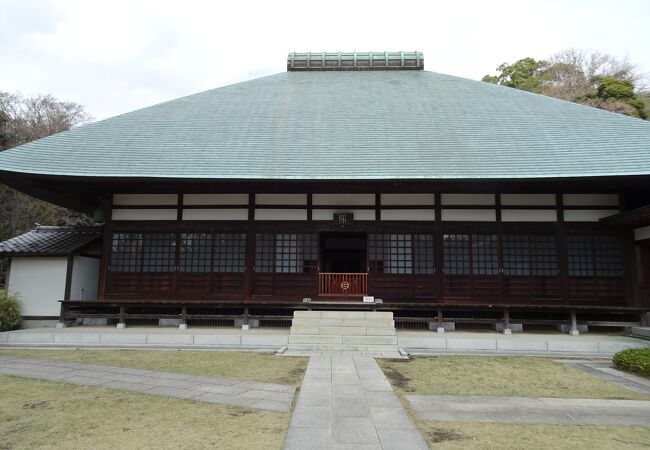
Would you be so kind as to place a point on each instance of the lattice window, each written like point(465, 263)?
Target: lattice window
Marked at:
point(196, 252)
point(423, 253)
point(595, 255)
point(580, 255)
point(126, 252)
point(286, 252)
point(525, 255)
point(516, 254)
point(264, 252)
point(466, 254)
point(485, 259)
point(543, 255)
point(456, 254)
point(400, 253)
point(229, 252)
point(159, 253)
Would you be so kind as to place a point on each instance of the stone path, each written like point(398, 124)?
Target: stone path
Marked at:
point(606, 370)
point(570, 411)
point(252, 394)
point(347, 403)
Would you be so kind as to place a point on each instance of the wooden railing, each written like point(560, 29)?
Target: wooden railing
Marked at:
point(342, 284)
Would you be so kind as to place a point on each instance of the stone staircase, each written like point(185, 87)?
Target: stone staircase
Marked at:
point(343, 330)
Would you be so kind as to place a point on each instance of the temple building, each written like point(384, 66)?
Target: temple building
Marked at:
point(351, 181)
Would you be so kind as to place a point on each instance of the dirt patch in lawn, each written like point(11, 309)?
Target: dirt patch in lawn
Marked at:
point(464, 435)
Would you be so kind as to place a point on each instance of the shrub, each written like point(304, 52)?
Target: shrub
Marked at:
point(9, 311)
point(635, 360)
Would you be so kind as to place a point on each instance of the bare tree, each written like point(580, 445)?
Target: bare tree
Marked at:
point(573, 73)
point(22, 120)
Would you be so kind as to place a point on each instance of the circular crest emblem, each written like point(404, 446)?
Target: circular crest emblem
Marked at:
point(345, 285)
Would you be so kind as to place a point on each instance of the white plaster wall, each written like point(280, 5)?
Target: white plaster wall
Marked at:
point(587, 215)
point(280, 214)
point(408, 214)
point(467, 199)
point(328, 214)
point(144, 214)
point(469, 215)
point(407, 199)
point(528, 199)
point(528, 215)
point(642, 233)
point(343, 199)
point(281, 199)
point(39, 282)
point(215, 214)
point(145, 199)
point(85, 275)
point(215, 199)
point(590, 199)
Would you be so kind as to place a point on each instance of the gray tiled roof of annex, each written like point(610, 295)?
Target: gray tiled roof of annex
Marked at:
point(45, 240)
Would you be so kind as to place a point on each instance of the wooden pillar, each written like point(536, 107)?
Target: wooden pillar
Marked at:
point(574, 324)
point(68, 277)
point(377, 207)
point(506, 321)
point(106, 249)
point(562, 257)
point(61, 323)
point(183, 324)
point(631, 292)
point(250, 250)
point(497, 203)
point(122, 321)
point(438, 248)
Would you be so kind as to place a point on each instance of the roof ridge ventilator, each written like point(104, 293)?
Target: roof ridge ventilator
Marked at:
point(346, 61)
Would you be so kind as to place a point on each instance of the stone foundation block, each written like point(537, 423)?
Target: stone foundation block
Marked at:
point(448, 326)
point(514, 327)
point(566, 328)
point(252, 323)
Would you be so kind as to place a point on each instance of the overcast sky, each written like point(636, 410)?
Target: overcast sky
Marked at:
point(116, 56)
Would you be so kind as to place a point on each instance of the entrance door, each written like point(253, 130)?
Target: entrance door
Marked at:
point(344, 262)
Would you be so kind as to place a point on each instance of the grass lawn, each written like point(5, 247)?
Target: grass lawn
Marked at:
point(464, 435)
point(508, 376)
point(42, 414)
point(242, 365)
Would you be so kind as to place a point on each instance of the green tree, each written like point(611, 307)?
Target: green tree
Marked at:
point(590, 78)
point(527, 74)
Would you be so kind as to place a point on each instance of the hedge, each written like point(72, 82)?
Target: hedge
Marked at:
point(635, 360)
point(9, 311)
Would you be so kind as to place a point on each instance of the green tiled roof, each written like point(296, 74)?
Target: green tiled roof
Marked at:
point(349, 125)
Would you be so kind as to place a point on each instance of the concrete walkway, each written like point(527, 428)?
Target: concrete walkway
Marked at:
point(252, 394)
point(347, 403)
point(566, 411)
point(605, 370)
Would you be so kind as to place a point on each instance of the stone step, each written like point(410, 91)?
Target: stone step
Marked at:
point(344, 347)
point(641, 332)
point(343, 314)
point(338, 339)
point(339, 322)
point(344, 331)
